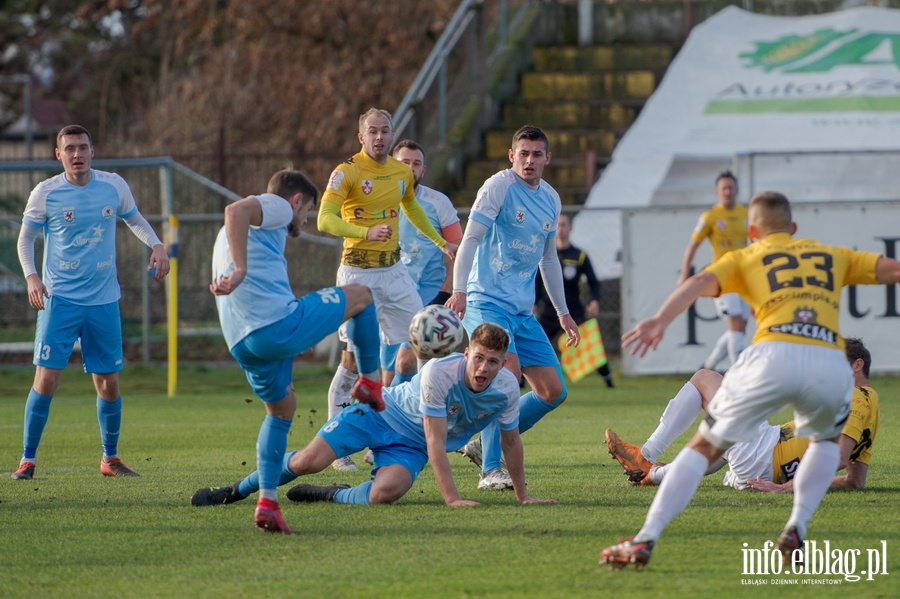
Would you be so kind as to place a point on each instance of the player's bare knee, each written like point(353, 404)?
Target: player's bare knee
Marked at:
point(389, 493)
point(308, 461)
point(701, 444)
point(358, 297)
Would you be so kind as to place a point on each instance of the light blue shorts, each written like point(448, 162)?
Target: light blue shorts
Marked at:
point(358, 427)
point(267, 354)
point(526, 337)
point(388, 355)
point(61, 323)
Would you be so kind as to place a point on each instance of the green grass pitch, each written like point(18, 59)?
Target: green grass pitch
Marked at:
point(72, 532)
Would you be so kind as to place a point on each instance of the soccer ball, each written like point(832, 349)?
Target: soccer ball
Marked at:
point(435, 331)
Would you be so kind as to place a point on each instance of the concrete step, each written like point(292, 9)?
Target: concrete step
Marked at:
point(598, 114)
point(564, 143)
point(632, 85)
point(603, 58)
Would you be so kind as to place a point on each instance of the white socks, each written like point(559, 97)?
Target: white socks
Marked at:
point(719, 351)
point(735, 344)
point(675, 493)
point(339, 391)
point(675, 420)
point(812, 480)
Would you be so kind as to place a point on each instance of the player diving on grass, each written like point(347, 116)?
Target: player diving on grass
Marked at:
point(769, 461)
point(437, 412)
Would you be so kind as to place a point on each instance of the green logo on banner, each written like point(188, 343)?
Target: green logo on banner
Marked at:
point(818, 53)
point(790, 52)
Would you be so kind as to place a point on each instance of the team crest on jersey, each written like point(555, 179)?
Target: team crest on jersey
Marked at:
point(68, 215)
point(721, 225)
point(806, 325)
point(107, 212)
point(805, 315)
point(546, 226)
point(367, 186)
point(335, 181)
point(454, 409)
point(520, 216)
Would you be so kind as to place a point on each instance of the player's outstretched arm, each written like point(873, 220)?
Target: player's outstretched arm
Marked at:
point(514, 453)
point(648, 333)
point(436, 439)
point(887, 270)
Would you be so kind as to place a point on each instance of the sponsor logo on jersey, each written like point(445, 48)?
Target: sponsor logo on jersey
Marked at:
point(367, 186)
point(499, 265)
point(69, 264)
point(107, 212)
point(805, 325)
point(68, 215)
point(104, 264)
point(516, 244)
point(336, 178)
point(96, 238)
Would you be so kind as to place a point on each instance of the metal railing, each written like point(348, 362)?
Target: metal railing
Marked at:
point(452, 75)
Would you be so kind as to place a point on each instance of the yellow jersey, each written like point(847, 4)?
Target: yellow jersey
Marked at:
point(794, 286)
point(369, 193)
point(725, 228)
point(862, 426)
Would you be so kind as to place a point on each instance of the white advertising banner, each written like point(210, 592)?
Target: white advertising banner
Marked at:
point(746, 83)
point(654, 242)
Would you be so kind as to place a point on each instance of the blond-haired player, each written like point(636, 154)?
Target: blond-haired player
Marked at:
point(725, 225)
point(797, 359)
point(362, 204)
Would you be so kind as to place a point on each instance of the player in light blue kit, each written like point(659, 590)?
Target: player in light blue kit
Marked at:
point(450, 400)
point(266, 327)
point(79, 294)
point(426, 263)
point(510, 234)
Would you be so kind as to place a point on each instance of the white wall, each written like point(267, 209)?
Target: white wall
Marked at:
point(653, 245)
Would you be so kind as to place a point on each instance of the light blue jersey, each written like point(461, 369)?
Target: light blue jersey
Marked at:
point(265, 295)
point(79, 226)
point(520, 221)
point(439, 390)
point(423, 259)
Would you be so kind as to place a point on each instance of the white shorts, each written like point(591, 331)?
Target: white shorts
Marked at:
point(816, 381)
point(395, 295)
point(729, 305)
point(751, 459)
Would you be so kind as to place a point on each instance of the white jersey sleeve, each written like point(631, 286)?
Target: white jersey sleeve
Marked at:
point(276, 211)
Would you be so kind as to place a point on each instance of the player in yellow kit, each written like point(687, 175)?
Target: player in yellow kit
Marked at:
point(768, 461)
point(797, 359)
point(856, 440)
point(725, 225)
point(362, 204)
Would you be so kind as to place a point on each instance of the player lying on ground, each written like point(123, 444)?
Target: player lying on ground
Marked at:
point(450, 400)
point(768, 462)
